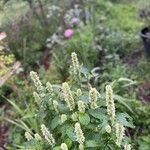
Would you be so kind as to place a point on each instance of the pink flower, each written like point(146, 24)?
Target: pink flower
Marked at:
point(75, 21)
point(68, 33)
point(3, 35)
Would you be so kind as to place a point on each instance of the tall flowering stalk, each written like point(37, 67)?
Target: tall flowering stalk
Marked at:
point(93, 98)
point(79, 134)
point(75, 63)
point(110, 103)
point(119, 133)
point(68, 96)
point(47, 135)
point(37, 83)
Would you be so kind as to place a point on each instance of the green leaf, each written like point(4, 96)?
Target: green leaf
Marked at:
point(55, 122)
point(68, 142)
point(122, 101)
point(125, 119)
point(84, 119)
point(91, 143)
point(98, 113)
point(16, 107)
point(57, 148)
point(70, 133)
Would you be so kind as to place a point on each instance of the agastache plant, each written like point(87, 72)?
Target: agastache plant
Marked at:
point(76, 115)
point(110, 103)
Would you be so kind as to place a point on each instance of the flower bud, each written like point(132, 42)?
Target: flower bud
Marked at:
point(64, 146)
point(108, 129)
point(63, 118)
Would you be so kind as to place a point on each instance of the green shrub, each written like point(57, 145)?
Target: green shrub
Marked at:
point(73, 115)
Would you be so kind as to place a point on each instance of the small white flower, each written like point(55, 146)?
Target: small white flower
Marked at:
point(28, 136)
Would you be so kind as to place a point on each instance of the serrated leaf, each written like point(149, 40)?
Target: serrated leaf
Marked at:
point(98, 113)
point(84, 119)
point(122, 101)
point(125, 120)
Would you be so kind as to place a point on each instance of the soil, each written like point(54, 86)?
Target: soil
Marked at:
point(144, 88)
point(133, 59)
point(144, 92)
point(3, 136)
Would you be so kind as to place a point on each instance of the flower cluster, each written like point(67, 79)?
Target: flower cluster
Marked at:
point(55, 105)
point(81, 107)
point(108, 129)
point(37, 137)
point(75, 63)
point(79, 134)
point(63, 118)
point(93, 98)
point(68, 96)
point(74, 116)
point(119, 133)
point(37, 97)
point(37, 82)
point(47, 135)
point(79, 92)
point(71, 17)
point(28, 136)
point(127, 147)
point(110, 103)
point(53, 11)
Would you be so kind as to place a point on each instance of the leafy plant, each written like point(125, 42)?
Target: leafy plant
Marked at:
point(73, 115)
